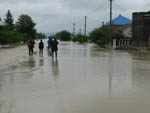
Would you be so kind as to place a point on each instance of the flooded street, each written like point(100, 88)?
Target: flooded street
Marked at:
point(83, 79)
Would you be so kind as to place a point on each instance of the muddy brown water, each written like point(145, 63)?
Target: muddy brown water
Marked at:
point(83, 79)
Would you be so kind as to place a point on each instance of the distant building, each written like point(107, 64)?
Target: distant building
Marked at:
point(141, 28)
point(119, 22)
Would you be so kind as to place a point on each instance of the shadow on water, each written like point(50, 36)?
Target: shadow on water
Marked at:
point(55, 68)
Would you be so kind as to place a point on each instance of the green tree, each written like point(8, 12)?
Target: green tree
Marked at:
point(80, 38)
point(11, 37)
point(99, 36)
point(9, 20)
point(26, 25)
point(103, 36)
point(64, 35)
point(40, 36)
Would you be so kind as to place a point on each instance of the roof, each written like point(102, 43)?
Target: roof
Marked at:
point(120, 20)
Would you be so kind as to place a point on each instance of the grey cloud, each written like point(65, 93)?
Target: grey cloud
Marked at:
point(55, 15)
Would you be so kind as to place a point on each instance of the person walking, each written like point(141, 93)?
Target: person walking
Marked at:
point(54, 47)
point(41, 47)
point(49, 43)
point(30, 44)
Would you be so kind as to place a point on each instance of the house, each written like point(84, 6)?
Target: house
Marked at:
point(126, 30)
point(141, 28)
point(119, 22)
point(123, 24)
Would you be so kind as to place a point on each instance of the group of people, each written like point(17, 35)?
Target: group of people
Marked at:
point(52, 46)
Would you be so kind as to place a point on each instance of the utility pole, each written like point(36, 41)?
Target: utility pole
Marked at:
point(102, 24)
point(85, 26)
point(74, 28)
point(80, 31)
point(110, 27)
point(110, 13)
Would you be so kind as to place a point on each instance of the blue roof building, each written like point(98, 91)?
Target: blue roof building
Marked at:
point(119, 21)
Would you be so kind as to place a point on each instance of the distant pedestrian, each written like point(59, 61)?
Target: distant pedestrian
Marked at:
point(49, 43)
point(54, 47)
point(41, 47)
point(30, 44)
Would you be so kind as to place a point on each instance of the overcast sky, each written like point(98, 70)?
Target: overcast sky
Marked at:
point(57, 15)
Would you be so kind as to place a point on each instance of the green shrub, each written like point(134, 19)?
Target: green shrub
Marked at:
point(11, 37)
point(80, 38)
point(63, 35)
point(103, 36)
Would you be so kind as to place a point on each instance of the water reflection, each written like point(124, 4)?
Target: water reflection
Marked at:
point(85, 50)
point(40, 54)
point(96, 51)
point(55, 68)
point(31, 62)
point(141, 74)
point(140, 69)
point(110, 72)
point(41, 61)
point(49, 52)
point(140, 55)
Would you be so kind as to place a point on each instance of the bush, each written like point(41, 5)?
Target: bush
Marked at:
point(103, 36)
point(63, 35)
point(80, 38)
point(99, 36)
point(11, 37)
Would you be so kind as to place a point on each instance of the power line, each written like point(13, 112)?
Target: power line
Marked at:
point(117, 6)
point(92, 12)
point(95, 23)
point(95, 11)
point(80, 31)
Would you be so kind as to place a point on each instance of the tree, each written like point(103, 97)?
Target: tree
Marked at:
point(11, 37)
point(40, 36)
point(103, 36)
point(99, 36)
point(80, 38)
point(26, 25)
point(9, 20)
point(64, 35)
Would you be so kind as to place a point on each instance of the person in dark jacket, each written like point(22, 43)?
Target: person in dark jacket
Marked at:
point(54, 47)
point(30, 44)
point(41, 47)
